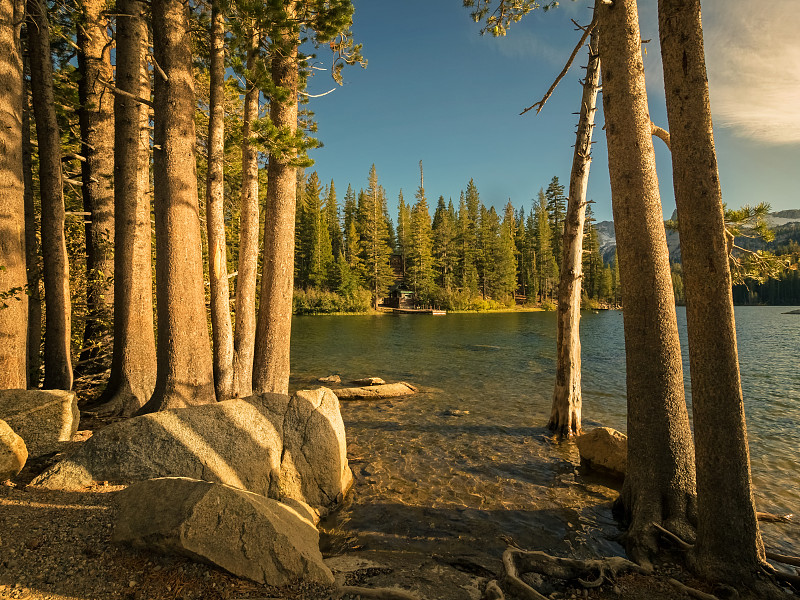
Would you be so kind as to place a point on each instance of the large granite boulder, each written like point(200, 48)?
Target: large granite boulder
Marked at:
point(13, 452)
point(45, 419)
point(604, 449)
point(269, 444)
point(244, 533)
point(376, 392)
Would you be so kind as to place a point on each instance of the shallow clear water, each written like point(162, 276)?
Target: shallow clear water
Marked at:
point(435, 480)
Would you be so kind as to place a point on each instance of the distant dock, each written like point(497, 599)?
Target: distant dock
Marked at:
point(419, 311)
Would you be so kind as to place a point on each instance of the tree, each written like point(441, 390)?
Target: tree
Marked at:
point(556, 211)
point(444, 240)
point(469, 234)
point(324, 22)
point(332, 216)
point(13, 276)
point(505, 257)
point(565, 414)
point(374, 239)
point(315, 247)
point(184, 375)
point(96, 116)
point(546, 267)
point(420, 250)
point(244, 335)
point(133, 363)
point(221, 326)
point(403, 232)
point(724, 486)
point(660, 482)
point(58, 305)
point(592, 260)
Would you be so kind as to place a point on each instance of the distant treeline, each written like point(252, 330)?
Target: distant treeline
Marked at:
point(466, 256)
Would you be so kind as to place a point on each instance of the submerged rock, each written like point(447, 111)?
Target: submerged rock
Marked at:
point(604, 449)
point(13, 453)
point(368, 381)
point(375, 392)
point(330, 379)
point(269, 444)
point(244, 533)
point(45, 419)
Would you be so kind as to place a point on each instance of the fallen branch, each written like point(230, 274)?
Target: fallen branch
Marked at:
point(377, 593)
point(691, 591)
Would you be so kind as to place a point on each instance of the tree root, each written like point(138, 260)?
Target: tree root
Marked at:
point(516, 561)
point(376, 593)
point(493, 591)
point(772, 518)
point(691, 591)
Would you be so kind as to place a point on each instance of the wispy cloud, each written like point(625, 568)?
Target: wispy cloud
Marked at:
point(753, 60)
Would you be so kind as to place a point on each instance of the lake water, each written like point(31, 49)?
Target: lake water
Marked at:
point(433, 480)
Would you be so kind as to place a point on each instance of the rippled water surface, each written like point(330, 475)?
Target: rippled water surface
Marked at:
point(452, 469)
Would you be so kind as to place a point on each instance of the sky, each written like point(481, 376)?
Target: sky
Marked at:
point(435, 90)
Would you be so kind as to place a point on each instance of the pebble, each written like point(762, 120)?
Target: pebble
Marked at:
point(131, 584)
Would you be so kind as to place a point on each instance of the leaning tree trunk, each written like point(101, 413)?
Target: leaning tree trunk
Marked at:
point(245, 334)
point(97, 170)
point(731, 552)
point(660, 482)
point(31, 244)
point(565, 415)
point(185, 372)
point(221, 327)
point(13, 276)
point(133, 364)
point(58, 311)
point(274, 328)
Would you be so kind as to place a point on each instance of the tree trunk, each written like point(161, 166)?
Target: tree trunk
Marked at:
point(274, 329)
point(221, 327)
point(729, 545)
point(13, 275)
point(133, 365)
point(97, 137)
point(31, 244)
point(185, 371)
point(565, 416)
point(245, 335)
point(58, 311)
point(660, 482)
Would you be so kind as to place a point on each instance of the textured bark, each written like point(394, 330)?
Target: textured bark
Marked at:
point(221, 328)
point(245, 335)
point(273, 332)
point(133, 365)
point(58, 311)
point(565, 415)
point(660, 482)
point(31, 245)
point(97, 171)
point(13, 276)
point(185, 372)
point(729, 544)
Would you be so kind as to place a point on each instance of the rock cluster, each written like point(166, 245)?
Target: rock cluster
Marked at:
point(45, 419)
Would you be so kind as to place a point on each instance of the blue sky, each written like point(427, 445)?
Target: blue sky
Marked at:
point(437, 91)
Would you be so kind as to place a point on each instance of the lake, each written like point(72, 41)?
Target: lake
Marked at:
point(468, 460)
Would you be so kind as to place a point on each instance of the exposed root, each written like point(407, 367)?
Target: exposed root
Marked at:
point(691, 591)
point(772, 518)
point(782, 558)
point(685, 546)
point(493, 591)
point(516, 561)
point(377, 593)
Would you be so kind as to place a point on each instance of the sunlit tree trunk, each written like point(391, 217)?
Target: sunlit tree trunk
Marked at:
point(565, 415)
point(58, 311)
point(244, 336)
point(274, 328)
point(31, 245)
point(221, 327)
point(660, 482)
point(133, 365)
point(97, 171)
point(729, 545)
point(13, 276)
point(185, 372)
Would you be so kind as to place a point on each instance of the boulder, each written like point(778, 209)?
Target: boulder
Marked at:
point(244, 533)
point(330, 379)
point(314, 466)
point(45, 419)
point(245, 443)
point(368, 381)
point(13, 452)
point(604, 449)
point(376, 392)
